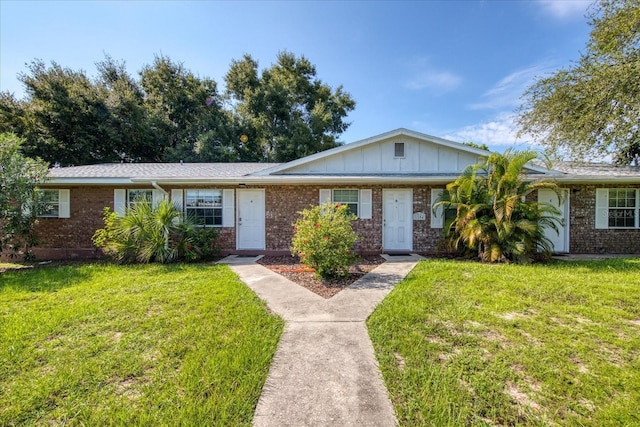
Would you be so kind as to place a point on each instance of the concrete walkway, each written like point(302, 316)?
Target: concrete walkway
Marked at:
point(324, 372)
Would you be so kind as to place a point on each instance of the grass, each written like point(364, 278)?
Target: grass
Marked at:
point(462, 343)
point(141, 345)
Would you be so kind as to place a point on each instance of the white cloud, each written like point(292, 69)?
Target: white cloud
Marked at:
point(498, 133)
point(506, 93)
point(561, 9)
point(433, 79)
point(425, 76)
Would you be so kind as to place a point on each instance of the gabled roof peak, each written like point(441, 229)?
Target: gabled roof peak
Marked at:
point(375, 139)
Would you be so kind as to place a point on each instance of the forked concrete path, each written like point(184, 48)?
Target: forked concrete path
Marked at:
point(324, 372)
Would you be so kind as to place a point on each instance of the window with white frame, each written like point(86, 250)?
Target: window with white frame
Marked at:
point(54, 203)
point(204, 206)
point(139, 196)
point(621, 206)
point(347, 197)
point(49, 204)
point(398, 150)
point(359, 201)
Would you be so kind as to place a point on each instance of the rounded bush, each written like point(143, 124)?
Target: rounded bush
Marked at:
point(324, 239)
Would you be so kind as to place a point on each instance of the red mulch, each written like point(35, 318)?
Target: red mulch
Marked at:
point(292, 269)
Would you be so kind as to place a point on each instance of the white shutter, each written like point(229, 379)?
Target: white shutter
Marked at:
point(176, 199)
point(228, 218)
point(437, 216)
point(602, 208)
point(157, 197)
point(64, 203)
point(325, 195)
point(365, 204)
point(119, 201)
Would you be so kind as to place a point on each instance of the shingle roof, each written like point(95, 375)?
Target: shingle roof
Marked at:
point(597, 169)
point(160, 170)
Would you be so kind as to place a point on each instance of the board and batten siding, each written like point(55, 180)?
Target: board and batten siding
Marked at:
point(420, 157)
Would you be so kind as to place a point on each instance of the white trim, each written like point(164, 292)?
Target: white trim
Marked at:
point(228, 217)
point(238, 226)
point(409, 246)
point(119, 201)
point(365, 207)
point(64, 203)
point(437, 217)
point(157, 196)
point(602, 208)
point(325, 195)
point(177, 199)
point(562, 205)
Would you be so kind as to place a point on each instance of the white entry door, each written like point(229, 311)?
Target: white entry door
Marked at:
point(251, 219)
point(397, 219)
point(560, 240)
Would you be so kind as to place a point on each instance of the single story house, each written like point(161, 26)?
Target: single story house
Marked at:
point(390, 181)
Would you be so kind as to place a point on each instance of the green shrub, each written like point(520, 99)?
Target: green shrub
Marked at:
point(154, 234)
point(324, 239)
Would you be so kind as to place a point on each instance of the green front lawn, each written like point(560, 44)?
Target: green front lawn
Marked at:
point(462, 343)
point(138, 345)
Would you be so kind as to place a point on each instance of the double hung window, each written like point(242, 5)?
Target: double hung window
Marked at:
point(204, 206)
point(617, 208)
point(49, 204)
point(138, 196)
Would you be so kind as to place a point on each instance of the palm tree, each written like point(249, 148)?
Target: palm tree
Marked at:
point(493, 215)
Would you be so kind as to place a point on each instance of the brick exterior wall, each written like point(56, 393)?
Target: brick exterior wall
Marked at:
point(65, 238)
point(583, 235)
point(283, 203)
point(71, 238)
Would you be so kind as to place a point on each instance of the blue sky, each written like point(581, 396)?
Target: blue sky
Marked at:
point(453, 69)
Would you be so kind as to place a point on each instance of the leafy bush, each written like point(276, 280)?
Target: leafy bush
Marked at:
point(493, 218)
point(160, 234)
point(324, 239)
point(19, 178)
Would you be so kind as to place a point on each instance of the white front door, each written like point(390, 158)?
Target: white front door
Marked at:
point(560, 240)
point(251, 219)
point(397, 219)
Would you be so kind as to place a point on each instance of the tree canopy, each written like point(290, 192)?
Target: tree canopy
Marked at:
point(287, 109)
point(170, 114)
point(592, 109)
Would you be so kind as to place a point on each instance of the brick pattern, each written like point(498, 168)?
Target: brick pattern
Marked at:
point(284, 202)
point(87, 203)
point(68, 238)
point(583, 236)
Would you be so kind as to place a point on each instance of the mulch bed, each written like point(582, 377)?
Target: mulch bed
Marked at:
point(292, 269)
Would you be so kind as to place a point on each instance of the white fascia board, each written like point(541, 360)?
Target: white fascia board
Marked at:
point(304, 180)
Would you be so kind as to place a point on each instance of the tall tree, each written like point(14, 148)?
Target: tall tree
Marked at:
point(187, 113)
point(19, 178)
point(67, 116)
point(493, 217)
point(127, 126)
point(592, 109)
point(286, 110)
